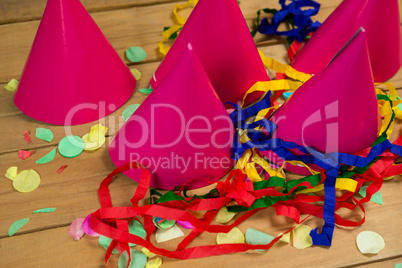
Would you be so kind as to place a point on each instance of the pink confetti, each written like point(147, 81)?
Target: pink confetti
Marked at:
point(88, 230)
point(185, 224)
point(24, 154)
point(26, 137)
point(61, 169)
point(75, 229)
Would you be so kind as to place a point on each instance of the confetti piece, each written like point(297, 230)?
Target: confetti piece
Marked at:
point(11, 173)
point(61, 169)
point(26, 181)
point(136, 74)
point(376, 198)
point(255, 237)
point(98, 129)
point(44, 210)
point(146, 90)
point(369, 242)
point(71, 146)
point(105, 242)
point(138, 259)
point(24, 154)
point(88, 230)
point(128, 112)
point(44, 134)
point(135, 54)
point(136, 228)
point(163, 224)
point(148, 253)
point(301, 237)
point(16, 226)
point(95, 138)
point(287, 95)
point(234, 236)
point(91, 145)
point(285, 237)
point(12, 85)
point(154, 263)
point(163, 235)
point(75, 229)
point(26, 137)
point(224, 216)
point(398, 265)
point(185, 224)
point(47, 158)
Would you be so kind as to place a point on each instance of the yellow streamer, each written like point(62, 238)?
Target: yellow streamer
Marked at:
point(341, 184)
point(179, 20)
point(283, 68)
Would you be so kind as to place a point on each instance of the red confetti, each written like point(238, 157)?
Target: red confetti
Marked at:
point(26, 137)
point(24, 154)
point(61, 169)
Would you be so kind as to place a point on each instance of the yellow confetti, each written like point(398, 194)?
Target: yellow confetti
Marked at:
point(26, 181)
point(95, 138)
point(235, 236)
point(148, 253)
point(369, 242)
point(154, 263)
point(301, 237)
point(12, 85)
point(285, 237)
point(224, 216)
point(136, 74)
point(11, 173)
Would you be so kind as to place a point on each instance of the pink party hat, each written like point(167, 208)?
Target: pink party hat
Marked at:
point(221, 38)
point(381, 20)
point(181, 132)
point(336, 110)
point(72, 74)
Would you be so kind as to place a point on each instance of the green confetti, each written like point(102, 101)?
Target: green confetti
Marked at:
point(136, 228)
point(47, 158)
point(138, 259)
point(398, 265)
point(135, 54)
point(12, 85)
point(128, 112)
point(255, 237)
point(71, 146)
point(44, 210)
point(105, 241)
point(44, 134)
point(16, 226)
point(376, 198)
point(146, 90)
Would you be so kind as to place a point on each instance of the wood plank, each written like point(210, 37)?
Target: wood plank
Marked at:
point(137, 26)
point(12, 11)
point(48, 248)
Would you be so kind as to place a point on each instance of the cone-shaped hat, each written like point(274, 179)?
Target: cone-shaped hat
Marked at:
point(220, 37)
point(336, 110)
point(382, 22)
point(180, 132)
point(72, 74)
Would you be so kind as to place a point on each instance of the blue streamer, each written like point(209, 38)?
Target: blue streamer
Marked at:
point(331, 162)
point(303, 25)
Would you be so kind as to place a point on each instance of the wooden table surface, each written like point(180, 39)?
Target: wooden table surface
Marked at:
point(44, 241)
